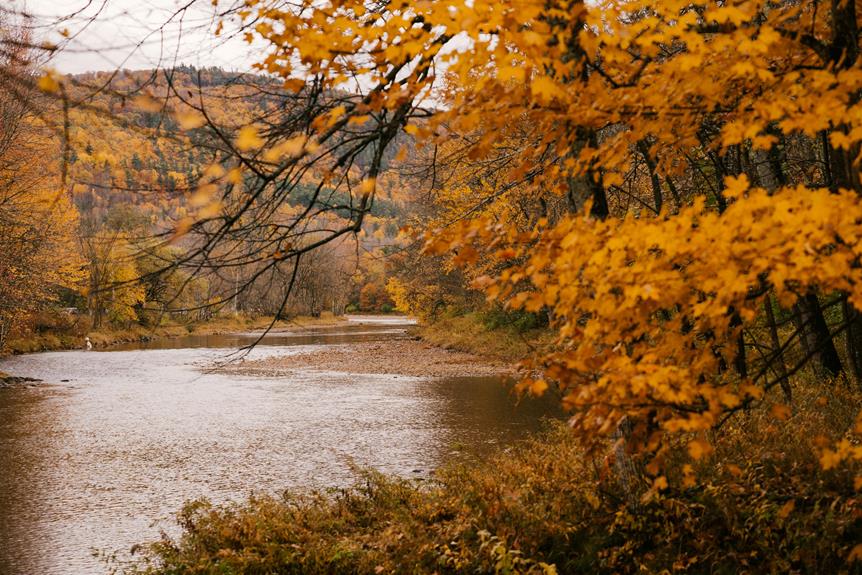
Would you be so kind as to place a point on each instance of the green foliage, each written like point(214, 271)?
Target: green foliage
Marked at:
point(521, 321)
point(486, 333)
point(761, 504)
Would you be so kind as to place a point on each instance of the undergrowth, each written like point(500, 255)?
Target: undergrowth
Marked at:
point(499, 335)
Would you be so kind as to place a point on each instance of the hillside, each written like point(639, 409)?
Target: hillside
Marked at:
point(128, 148)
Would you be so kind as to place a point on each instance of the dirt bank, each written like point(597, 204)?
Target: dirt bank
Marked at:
point(402, 357)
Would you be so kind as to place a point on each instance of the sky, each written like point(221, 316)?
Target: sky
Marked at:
point(132, 34)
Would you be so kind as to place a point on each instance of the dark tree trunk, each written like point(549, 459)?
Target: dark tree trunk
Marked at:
point(777, 356)
point(822, 346)
point(853, 339)
point(658, 197)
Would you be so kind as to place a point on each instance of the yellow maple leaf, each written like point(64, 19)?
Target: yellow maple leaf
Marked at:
point(545, 89)
point(731, 14)
point(367, 186)
point(538, 387)
point(829, 459)
point(203, 195)
point(786, 509)
point(736, 186)
point(182, 228)
point(780, 411)
point(234, 176)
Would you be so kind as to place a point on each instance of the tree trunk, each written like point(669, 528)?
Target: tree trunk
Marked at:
point(658, 197)
point(778, 357)
point(629, 473)
point(822, 346)
point(853, 339)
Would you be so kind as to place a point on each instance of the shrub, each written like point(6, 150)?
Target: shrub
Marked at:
point(517, 320)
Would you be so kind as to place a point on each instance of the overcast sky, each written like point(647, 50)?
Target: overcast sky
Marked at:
point(133, 34)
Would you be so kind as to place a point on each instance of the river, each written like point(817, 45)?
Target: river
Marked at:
point(101, 453)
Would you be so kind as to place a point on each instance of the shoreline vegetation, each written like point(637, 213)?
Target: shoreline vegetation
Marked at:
point(471, 333)
point(69, 339)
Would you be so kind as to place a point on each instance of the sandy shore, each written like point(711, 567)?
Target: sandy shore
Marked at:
point(402, 357)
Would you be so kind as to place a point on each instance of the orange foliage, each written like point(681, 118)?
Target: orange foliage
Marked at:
point(605, 104)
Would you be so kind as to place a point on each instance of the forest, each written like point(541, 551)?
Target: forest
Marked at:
point(651, 212)
point(119, 201)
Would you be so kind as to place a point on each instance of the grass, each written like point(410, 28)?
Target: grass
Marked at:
point(760, 504)
point(67, 335)
point(474, 333)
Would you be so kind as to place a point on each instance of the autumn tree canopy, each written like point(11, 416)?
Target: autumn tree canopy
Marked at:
point(693, 172)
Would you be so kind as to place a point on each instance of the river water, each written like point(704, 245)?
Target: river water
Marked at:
point(102, 453)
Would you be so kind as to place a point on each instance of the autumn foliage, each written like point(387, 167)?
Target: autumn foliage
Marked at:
point(675, 185)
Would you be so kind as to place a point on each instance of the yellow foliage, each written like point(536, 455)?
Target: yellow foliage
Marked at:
point(558, 119)
point(248, 139)
point(641, 306)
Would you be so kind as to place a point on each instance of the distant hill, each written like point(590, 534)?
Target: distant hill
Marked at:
point(127, 150)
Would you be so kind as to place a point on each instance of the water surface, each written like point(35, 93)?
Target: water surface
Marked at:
point(102, 453)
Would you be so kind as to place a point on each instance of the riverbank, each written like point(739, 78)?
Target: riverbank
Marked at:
point(449, 347)
point(59, 341)
point(456, 346)
point(470, 333)
point(411, 357)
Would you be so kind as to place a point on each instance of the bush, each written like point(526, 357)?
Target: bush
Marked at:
point(759, 504)
point(57, 321)
point(517, 320)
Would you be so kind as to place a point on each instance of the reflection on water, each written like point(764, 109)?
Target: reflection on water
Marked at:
point(110, 445)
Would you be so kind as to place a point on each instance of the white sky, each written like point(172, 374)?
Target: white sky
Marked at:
point(132, 34)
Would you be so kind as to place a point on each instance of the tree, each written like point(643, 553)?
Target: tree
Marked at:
point(37, 220)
